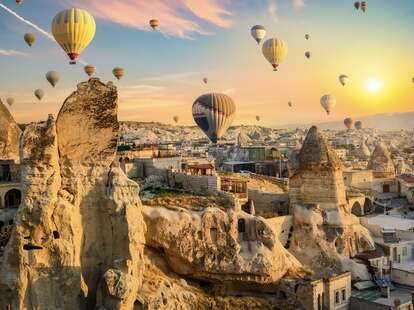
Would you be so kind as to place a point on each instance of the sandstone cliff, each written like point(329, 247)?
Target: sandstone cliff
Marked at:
point(78, 240)
point(9, 135)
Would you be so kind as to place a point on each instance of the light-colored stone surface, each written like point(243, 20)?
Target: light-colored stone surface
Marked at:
point(325, 234)
point(9, 135)
point(79, 210)
point(206, 245)
point(381, 163)
point(318, 180)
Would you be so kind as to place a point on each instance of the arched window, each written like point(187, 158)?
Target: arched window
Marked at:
point(13, 198)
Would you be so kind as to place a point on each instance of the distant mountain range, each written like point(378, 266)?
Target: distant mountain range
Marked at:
point(385, 121)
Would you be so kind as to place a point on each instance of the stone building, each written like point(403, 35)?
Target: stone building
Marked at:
point(381, 163)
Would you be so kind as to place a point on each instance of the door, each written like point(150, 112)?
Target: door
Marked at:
point(385, 188)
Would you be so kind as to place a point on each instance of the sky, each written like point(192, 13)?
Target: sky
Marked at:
point(211, 38)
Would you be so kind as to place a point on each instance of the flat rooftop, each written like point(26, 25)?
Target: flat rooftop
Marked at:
point(391, 222)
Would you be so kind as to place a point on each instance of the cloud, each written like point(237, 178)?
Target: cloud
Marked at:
point(272, 9)
point(42, 31)
point(298, 4)
point(180, 18)
point(12, 53)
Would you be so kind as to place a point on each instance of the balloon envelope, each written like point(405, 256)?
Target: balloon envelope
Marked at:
point(118, 72)
point(328, 102)
point(258, 33)
point(214, 113)
point(275, 51)
point(53, 77)
point(154, 23)
point(176, 118)
point(10, 101)
point(39, 93)
point(358, 125)
point(307, 36)
point(89, 70)
point(258, 118)
point(348, 122)
point(205, 80)
point(357, 5)
point(73, 29)
point(343, 79)
point(30, 38)
point(364, 6)
point(308, 54)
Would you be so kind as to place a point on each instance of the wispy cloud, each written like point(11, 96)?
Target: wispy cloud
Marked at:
point(27, 22)
point(12, 53)
point(180, 18)
point(272, 9)
point(298, 4)
point(36, 27)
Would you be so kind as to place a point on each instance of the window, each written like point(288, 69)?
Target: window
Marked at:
point(337, 301)
point(404, 251)
point(241, 225)
point(343, 294)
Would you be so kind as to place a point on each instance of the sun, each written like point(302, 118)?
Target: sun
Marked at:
point(373, 85)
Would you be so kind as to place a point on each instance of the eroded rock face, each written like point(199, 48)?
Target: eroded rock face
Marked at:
point(214, 245)
point(78, 241)
point(363, 151)
point(381, 163)
point(9, 135)
point(326, 234)
point(318, 179)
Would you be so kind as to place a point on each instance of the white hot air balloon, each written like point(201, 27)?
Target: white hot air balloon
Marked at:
point(328, 102)
point(258, 33)
point(343, 79)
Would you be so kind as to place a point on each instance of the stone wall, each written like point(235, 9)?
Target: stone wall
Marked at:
point(269, 204)
point(202, 184)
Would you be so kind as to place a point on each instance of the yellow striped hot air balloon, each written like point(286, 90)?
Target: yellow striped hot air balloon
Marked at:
point(73, 29)
point(275, 51)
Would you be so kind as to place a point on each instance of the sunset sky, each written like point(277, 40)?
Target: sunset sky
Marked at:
point(211, 38)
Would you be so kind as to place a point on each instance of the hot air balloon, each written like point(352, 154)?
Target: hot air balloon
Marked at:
point(307, 36)
point(358, 125)
point(214, 113)
point(30, 38)
point(89, 70)
point(39, 93)
point(412, 80)
point(348, 122)
point(290, 103)
point(258, 32)
point(308, 54)
point(364, 6)
point(328, 102)
point(258, 118)
point(275, 51)
point(53, 77)
point(205, 80)
point(19, 2)
point(357, 5)
point(343, 79)
point(118, 72)
point(176, 118)
point(73, 29)
point(10, 101)
point(154, 23)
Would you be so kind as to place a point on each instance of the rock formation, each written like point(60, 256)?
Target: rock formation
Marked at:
point(318, 179)
point(363, 151)
point(78, 240)
point(213, 245)
point(9, 135)
point(381, 163)
point(326, 234)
